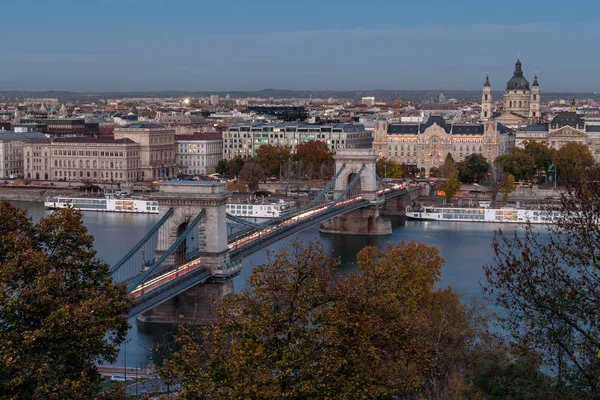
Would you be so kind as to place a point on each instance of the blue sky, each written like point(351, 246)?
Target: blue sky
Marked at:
point(304, 44)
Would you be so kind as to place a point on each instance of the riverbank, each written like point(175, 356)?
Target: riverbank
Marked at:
point(33, 194)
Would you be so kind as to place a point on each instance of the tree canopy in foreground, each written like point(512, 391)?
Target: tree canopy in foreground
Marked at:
point(550, 287)
point(60, 313)
point(302, 330)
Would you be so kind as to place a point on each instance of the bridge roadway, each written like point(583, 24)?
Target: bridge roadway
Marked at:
point(165, 286)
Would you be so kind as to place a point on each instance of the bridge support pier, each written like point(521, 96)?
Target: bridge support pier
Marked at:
point(396, 206)
point(365, 221)
point(195, 306)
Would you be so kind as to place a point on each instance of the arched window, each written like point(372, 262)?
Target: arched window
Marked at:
point(485, 114)
point(94, 165)
point(535, 97)
point(88, 174)
point(87, 163)
point(510, 103)
point(95, 174)
point(486, 97)
point(111, 165)
point(80, 163)
point(520, 103)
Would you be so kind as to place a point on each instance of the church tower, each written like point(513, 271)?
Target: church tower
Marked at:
point(486, 100)
point(535, 110)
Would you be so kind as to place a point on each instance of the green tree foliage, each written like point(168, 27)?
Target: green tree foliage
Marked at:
point(221, 167)
point(476, 168)
point(234, 167)
point(387, 168)
point(549, 288)
point(540, 152)
point(508, 186)
point(312, 155)
point(60, 312)
point(271, 158)
point(506, 372)
point(517, 163)
point(451, 186)
point(252, 173)
point(300, 330)
point(449, 168)
point(573, 160)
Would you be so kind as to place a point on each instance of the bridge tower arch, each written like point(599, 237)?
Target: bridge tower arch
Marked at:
point(354, 160)
point(365, 221)
point(188, 198)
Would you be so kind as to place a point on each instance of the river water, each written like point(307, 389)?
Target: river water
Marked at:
point(465, 246)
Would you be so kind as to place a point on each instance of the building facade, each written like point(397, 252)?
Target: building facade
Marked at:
point(564, 128)
point(198, 154)
point(521, 103)
point(157, 149)
point(243, 140)
point(11, 152)
point(82, 158)
point(60, 126)
point(425, 146)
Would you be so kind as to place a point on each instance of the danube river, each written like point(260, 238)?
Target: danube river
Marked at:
point(465, 246)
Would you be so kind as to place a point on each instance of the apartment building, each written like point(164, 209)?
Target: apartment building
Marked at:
point(243, 140)
point(11, 152)
point(199, 153)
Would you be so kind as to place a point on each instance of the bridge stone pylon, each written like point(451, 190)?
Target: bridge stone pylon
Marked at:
point(188, 198)
point(366, 221)
point(354, 160)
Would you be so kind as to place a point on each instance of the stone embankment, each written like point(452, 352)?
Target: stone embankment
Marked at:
point(32, 194)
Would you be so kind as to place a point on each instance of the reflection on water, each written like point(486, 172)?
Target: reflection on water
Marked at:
point(465, 247)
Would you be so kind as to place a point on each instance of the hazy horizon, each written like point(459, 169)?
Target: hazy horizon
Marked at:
point(335, 45)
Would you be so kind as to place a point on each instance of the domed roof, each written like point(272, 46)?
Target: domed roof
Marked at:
point(518, 81)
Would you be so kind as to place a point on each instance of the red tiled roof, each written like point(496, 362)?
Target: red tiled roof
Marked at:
point(201, 136)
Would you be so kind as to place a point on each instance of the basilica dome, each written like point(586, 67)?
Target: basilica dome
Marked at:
point(518, 81)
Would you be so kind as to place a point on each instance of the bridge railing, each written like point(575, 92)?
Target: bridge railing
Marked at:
point(173, 257)
point(262, 239)
point(141, 255)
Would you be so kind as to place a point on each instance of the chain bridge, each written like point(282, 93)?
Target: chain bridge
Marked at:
point(190, 244)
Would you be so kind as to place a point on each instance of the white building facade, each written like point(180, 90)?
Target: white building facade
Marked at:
point(243, 140)
point(11, 152)
point(199, 153)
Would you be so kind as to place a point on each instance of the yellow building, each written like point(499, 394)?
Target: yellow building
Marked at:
point(82, 158)
point(426, 145)
point(157, 149)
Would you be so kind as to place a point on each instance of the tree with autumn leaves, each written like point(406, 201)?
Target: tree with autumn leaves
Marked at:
point(302, 330)
point(60, 312)
point(549, 284)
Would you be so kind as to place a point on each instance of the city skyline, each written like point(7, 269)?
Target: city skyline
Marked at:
point(246, 46)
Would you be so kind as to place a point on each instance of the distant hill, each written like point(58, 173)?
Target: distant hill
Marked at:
point(379, 94)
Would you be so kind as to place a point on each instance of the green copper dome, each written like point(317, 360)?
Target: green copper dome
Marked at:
point(518, 81)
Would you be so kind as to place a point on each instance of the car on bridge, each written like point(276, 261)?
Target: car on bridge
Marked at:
point(119, 378)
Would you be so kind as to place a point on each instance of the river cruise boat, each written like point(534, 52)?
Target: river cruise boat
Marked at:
point(260, 210)
point(103, 204)
point(513, 215)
